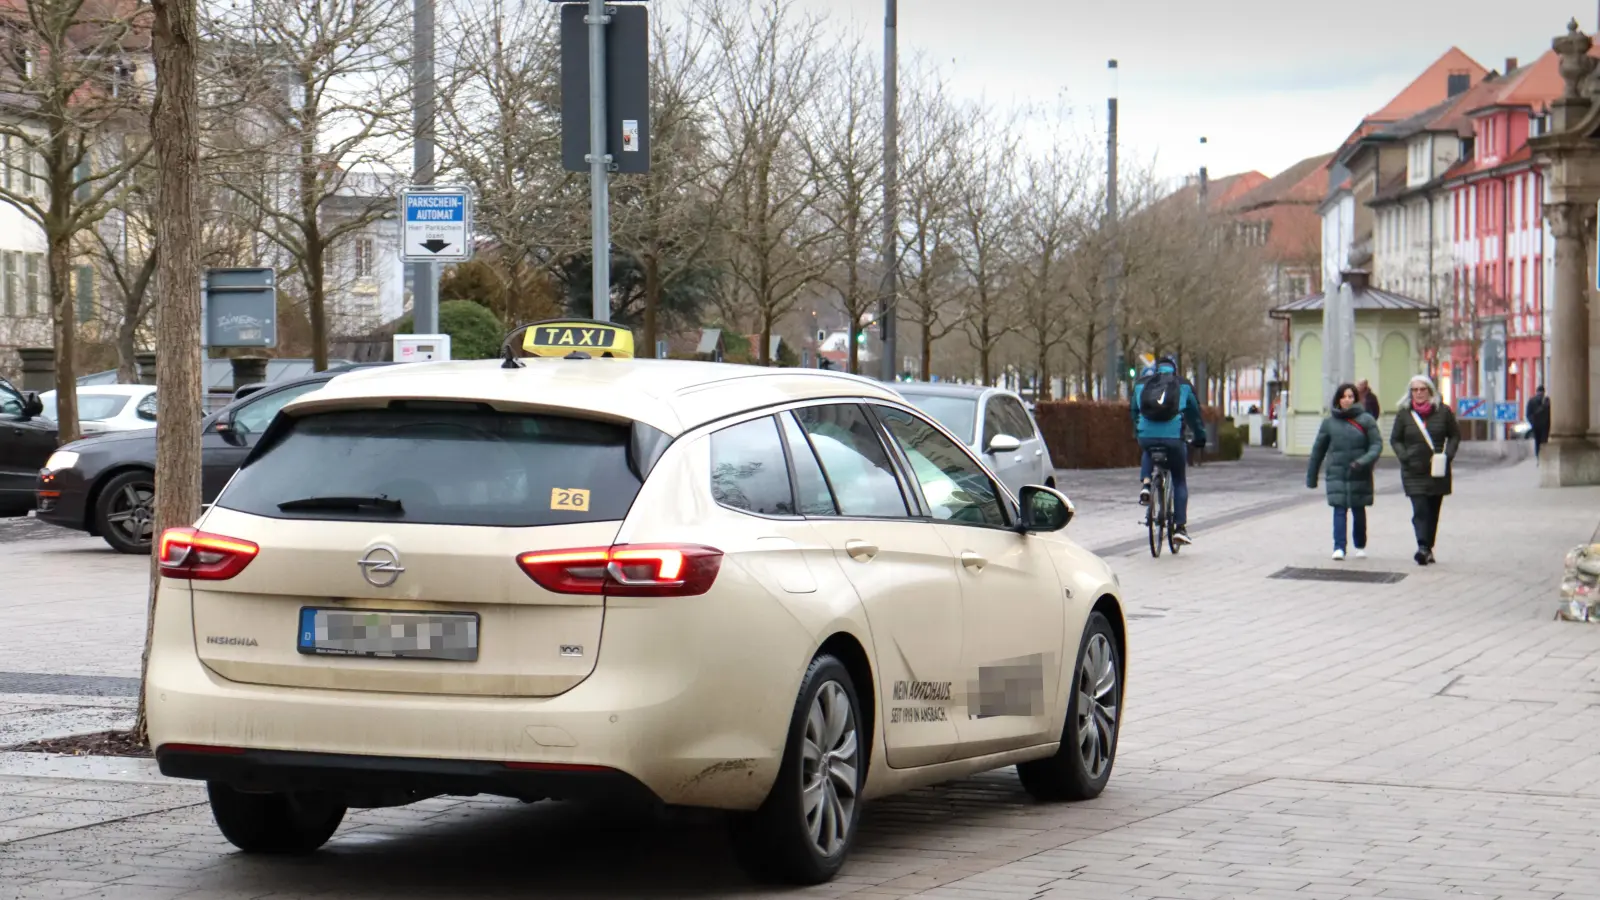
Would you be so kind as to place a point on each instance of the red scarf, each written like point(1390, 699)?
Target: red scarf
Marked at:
point(1423, 409)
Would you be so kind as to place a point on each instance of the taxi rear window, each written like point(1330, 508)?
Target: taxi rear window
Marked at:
point(445, 464)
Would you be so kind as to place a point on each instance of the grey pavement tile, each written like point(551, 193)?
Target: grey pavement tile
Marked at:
point(52, 889)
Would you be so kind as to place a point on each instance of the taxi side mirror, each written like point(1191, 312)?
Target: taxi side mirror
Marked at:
point(1044, 509)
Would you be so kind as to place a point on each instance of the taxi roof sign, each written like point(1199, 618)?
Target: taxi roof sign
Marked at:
point(561, 337)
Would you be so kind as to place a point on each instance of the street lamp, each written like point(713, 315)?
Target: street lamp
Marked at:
point(1113, 376)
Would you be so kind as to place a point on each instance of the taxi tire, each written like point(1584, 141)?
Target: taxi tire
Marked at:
point(772, 843)
point(1064, 777)
point(281, 823)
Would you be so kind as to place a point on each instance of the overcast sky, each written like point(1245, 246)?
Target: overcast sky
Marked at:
point(1268, 82)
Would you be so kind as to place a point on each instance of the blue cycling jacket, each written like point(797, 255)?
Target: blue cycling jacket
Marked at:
point(1172, 429)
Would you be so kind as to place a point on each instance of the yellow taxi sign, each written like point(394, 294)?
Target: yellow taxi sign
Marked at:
point(560, 337)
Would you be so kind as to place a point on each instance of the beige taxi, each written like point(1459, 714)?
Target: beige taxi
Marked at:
point(775, 592)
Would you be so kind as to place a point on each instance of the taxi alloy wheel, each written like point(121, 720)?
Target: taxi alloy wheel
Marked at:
point(803, 832)
point(287, 823)
point(1080, 769)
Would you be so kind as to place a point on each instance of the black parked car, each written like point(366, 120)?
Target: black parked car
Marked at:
point(27, 439)
point(105, 485)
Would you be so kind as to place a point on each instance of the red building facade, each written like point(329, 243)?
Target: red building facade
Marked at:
point(1500, 246)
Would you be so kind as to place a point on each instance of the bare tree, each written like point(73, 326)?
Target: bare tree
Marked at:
point(126, 254)
point(175, 126)
point(843, 139)
point(500, 104)
point(1053, 212)
point(328, 88)
point(986, 215)
point(666, 220)
point(72, 77)
point(932, 130)
point(773, 242)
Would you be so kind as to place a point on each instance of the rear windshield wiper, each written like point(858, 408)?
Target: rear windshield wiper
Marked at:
point(383, 504)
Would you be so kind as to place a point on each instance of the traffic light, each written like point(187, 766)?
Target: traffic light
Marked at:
point(861, 338)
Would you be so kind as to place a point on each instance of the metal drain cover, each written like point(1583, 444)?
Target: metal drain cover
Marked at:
point(1358, 576)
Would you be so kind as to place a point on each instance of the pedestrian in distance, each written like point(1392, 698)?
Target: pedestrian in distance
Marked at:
point(1425, 438)
point(1538, 416)
point(1369, 400)
point(1349, 443)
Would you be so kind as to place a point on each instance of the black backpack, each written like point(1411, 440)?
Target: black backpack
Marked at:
point(1160, 397)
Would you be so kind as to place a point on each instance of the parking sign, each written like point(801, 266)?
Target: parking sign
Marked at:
point(436, 224)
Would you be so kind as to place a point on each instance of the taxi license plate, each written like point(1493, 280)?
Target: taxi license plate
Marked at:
point(389, 634)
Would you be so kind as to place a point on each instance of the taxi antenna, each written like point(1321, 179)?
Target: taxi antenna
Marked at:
point(510, 357)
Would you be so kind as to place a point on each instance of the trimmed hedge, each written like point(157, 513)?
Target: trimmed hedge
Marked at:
point(1099, 435)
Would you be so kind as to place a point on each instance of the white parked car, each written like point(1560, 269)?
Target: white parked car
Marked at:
point(109, 407)
point(993, 423)
point(774, 592)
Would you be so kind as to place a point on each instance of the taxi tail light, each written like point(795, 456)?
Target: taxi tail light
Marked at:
point(190, 553)
point(626, 570)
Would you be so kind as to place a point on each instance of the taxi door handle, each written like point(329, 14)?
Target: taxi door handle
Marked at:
point(860, 551)
point(973, 561)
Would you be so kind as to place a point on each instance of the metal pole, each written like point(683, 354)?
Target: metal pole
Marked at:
point(599, 161)
point(424, 275)
point(1113, 376)
point(1202, 375)
point(891, 203)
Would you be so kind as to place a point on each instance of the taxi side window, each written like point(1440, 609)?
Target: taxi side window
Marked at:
point(956, 488)
point(810, 485)
point(856, 462)
point(748, 469)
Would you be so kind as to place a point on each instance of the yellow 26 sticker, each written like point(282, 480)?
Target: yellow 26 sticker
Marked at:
point(569, 499)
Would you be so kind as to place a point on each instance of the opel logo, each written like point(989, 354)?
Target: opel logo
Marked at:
point(381, 566)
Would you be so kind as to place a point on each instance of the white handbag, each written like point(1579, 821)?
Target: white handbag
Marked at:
point(1439, 465)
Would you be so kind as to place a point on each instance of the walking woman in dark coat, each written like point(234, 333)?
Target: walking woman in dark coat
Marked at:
point(1350, 444)
point(1425, 438)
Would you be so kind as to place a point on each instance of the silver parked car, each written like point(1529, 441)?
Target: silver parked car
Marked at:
point(994, 423)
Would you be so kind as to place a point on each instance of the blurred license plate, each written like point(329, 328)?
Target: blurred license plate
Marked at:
point(382, 633)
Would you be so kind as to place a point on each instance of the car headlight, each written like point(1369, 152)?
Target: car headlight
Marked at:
point(61, 459)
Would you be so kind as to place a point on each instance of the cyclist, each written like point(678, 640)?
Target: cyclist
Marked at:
point(1162, 403)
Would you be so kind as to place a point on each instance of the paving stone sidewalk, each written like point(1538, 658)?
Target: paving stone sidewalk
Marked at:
point(1431, 737)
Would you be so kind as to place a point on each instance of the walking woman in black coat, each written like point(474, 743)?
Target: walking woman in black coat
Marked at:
point(1425, 438)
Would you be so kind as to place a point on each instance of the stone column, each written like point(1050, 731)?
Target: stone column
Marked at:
point(248, 370)
point(1569, 339)
point(146, 361)
point(38, 368)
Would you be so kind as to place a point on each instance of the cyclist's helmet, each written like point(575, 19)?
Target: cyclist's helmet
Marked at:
point(1168, 360)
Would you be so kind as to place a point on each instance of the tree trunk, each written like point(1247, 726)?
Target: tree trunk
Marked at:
point(316, 291)
point(59, 260)
point(854, 365)
point(652, 302)
point(127, 364)
point(177, 147)
point(312, 236)
point(128, 329)
point(766, 338)
point(927, 351)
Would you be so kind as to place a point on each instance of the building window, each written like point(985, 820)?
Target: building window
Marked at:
point(8, 274)
point(365, 252)
point(31, 285)
point(83, 284)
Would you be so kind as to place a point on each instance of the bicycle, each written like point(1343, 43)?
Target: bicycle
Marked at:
point(1162, 527)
